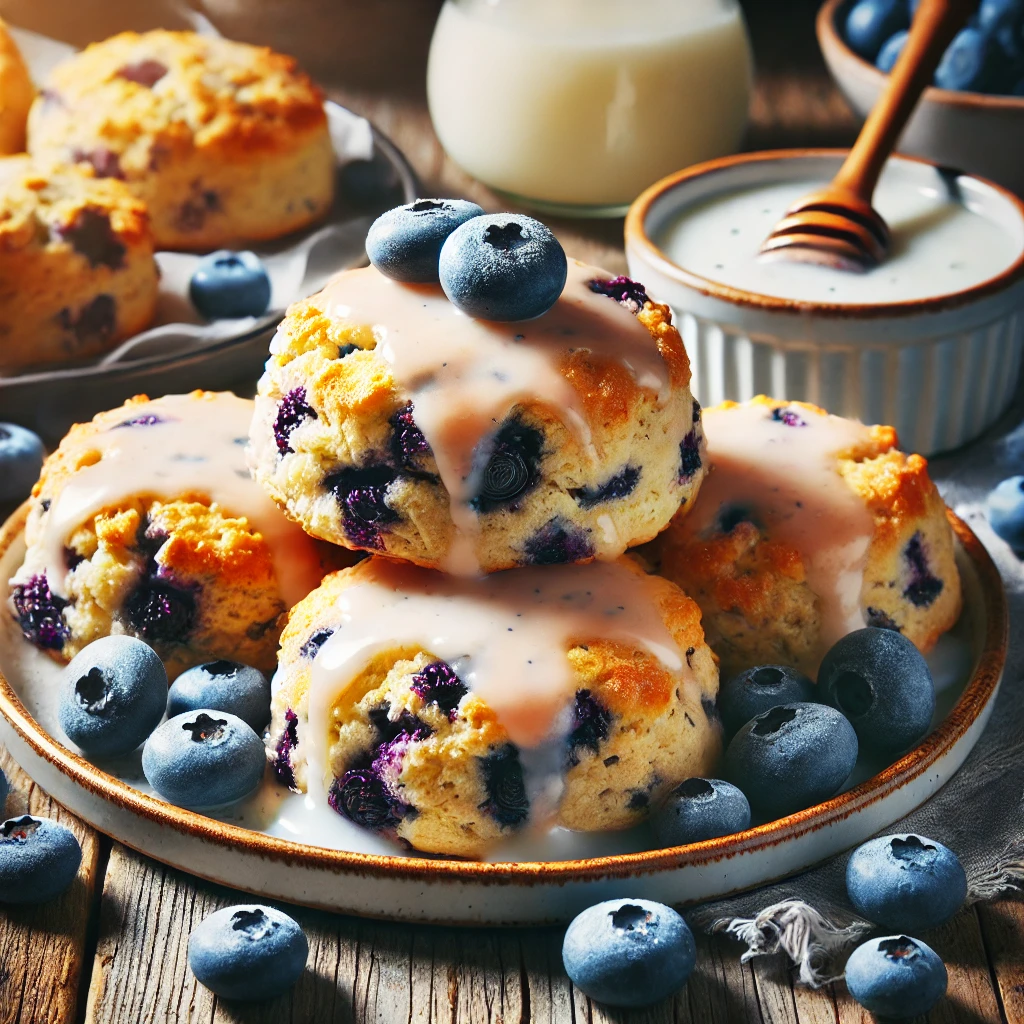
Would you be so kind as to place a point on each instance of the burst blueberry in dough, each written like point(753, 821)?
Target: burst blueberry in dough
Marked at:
point(416, 756)
point(225, 142)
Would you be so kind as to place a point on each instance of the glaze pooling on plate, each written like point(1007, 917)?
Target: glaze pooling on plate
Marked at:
point(466, 375)
point(778, 468)
point(179, 445)
point(506, 633)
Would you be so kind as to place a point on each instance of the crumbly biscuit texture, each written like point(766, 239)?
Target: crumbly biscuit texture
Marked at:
point(225, 142)
point(77, 274)
point(417, 756)
point(752, 587)
point(335, 441)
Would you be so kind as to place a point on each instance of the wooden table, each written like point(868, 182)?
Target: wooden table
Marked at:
point(113, 948)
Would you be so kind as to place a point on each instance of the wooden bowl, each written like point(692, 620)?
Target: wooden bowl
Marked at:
point(969, 131)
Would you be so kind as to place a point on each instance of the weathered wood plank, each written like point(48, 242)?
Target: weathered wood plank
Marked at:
point(42, 947)
point(1002, 930)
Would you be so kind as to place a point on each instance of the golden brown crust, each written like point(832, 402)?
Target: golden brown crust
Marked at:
point(16, 94)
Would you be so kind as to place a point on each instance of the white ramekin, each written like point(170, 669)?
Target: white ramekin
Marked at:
point(940, 370)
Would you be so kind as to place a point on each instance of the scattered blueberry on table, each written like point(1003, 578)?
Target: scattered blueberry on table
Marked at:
point(227, 285)
point(986, 56)
point(906, 881)
point(881, 682)
point(405, 243)
point(760, 689)
point(223, 686)
point(204, 758)
point(629, 952)
point(896, 976)
point(503, 266)
point(21, 459)
point(113, 695)
point(791, 757)
point(1005, 506)
point(700, 809)
point(38, 859)
point(248, 952)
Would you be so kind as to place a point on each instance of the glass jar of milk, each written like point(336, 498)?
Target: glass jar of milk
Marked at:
point(576, 106)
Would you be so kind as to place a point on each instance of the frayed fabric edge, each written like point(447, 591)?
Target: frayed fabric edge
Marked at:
point(813, 942)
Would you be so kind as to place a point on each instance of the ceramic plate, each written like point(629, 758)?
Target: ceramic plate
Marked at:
point(341, 868)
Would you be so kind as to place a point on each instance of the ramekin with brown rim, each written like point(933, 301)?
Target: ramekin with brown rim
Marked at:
point(940, 369)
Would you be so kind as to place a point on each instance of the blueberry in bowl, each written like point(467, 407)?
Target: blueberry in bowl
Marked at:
point(248, 952)
point(881, 682)
point(870, 23)
point(224, 686)
point(629, 953)
point(204, 758)
point(906, 881)
point(896, 976)
point(226, 285)
point(759, 689)
point(791, 757)
point(700, 809)
point(503, 266)
point(405, 243)
point(113, 695)
point(38, 859)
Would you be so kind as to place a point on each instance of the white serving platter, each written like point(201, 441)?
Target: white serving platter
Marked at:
point(277, 845)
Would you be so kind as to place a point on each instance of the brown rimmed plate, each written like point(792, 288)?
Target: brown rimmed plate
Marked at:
point(503, 893)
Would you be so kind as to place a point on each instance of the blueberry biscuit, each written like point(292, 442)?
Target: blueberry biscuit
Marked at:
point(414, 751)
point(145, 522)
point(16, 94)
point(809, 526)
point(224, 141)
point(389, 421)
point(77, 273)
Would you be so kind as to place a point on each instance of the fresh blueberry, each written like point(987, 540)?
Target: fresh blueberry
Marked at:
point(700, 809)
point(629, 952)
point(871, 22)
point(405, 243)
point(223, 686)
point(227, 285)
point(1006, 511)
point(890, 51)
point(996, 14)
point(248, 952)
point(204, 758)
point(896, 977)
point(21, 459)
point(38, 859)
point(791, 757)
point(881, 682)
point(906, 880)
point(503, 266)
point(971, 63)
point(760, 689)
point(113, 695)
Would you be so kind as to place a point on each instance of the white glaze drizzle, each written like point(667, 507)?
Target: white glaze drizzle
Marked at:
point(506, 635)
point(197, 449)
point(465, 375)
point(788, 477)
